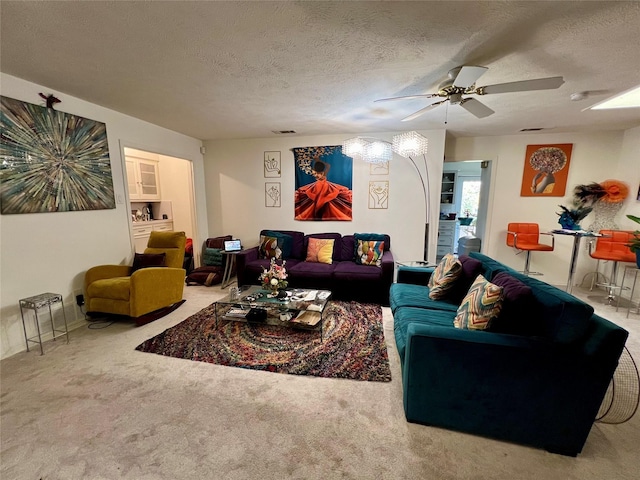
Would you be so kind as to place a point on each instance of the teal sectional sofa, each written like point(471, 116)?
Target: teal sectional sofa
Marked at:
point(536, 377)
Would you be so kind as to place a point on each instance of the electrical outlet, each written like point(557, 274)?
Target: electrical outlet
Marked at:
point(80, 300)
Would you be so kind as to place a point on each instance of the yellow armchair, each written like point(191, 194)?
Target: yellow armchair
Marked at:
point(113, 289)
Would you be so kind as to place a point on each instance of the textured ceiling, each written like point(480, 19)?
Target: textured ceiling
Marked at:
point(239, 69)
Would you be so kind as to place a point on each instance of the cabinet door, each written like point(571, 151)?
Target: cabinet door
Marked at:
point(149, 186)
point(132, 179)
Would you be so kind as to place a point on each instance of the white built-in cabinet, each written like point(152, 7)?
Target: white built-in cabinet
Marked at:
point(142, 232)
point(143, 178)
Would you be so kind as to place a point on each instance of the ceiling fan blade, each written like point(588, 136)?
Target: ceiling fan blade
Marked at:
point(522, 86)
point(422, 111)
point(476, 108)
point(406, 97)
point(468, 75)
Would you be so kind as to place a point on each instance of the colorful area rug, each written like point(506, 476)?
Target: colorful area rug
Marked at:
point(352, 347)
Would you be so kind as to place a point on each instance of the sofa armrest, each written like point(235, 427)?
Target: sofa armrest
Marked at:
point(153, 288)
point(414, 275)
point(521, 389)
point(388, 266)
point(242, 259)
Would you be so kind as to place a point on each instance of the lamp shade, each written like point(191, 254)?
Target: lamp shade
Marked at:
point(410, 144)
point(353, 147)
point(377, 151)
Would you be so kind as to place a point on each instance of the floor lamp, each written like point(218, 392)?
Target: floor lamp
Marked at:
point(407, 145)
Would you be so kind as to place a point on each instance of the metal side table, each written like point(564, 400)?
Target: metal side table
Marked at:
point(35, 303)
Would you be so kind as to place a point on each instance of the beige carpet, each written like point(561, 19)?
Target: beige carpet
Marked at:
point(99, 409)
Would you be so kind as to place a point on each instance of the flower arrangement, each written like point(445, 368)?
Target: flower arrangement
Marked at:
point(275, 278)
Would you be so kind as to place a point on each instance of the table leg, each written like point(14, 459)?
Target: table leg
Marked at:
point(572, 266)
point(228, 269)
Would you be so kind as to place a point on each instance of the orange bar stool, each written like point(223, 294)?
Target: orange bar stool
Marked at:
point(614, 247)
point(526, 237)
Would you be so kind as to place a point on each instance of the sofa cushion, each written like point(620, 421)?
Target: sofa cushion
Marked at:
point(285, 242)
point(410, 295)
point(520, 311)
point(116, 288)
point(405, 316)
point(369, 252)
point(490, 267)
point(480, 306)
point(377, 237)
point(565, 318)
point(320, 250)
point(444, 277)
point(311, 270)
point(350, 271)
point(471, 268)
point(269, 247)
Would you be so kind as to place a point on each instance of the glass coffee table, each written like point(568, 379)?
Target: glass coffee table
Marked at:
point(302, 308)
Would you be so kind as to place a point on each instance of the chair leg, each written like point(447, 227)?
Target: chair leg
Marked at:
point(527, 262)
point(611, 285)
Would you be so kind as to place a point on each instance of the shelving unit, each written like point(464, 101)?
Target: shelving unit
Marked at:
point(448, 190)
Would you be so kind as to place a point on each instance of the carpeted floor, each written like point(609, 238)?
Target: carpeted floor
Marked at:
point(97, 409)
point(352, 344)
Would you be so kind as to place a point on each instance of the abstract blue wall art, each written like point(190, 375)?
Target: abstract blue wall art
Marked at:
point(52, 161)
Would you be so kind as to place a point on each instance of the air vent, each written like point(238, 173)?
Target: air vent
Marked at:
point(283, 132)
point(532, 129)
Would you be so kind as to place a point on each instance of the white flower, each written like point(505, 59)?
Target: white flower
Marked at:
point(274, 281)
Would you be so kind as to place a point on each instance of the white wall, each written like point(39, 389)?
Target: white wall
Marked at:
point(236, 205)
point(175, 185)
point(49, 252)
point(595, 157)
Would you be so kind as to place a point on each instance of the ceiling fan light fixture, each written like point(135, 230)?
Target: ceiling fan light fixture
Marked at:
point(408, 144)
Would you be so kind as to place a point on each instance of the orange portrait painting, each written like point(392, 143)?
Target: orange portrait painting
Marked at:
point(546, 168)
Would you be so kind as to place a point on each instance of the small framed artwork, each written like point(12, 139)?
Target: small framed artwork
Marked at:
point(271, 164)
point(272, 194)
point(381, 168)
point(379, 194)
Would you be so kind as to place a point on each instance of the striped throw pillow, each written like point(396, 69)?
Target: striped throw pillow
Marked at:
point(481, 305)
point(444, 277)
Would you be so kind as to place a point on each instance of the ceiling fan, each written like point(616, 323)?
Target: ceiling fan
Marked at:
point(461, 81)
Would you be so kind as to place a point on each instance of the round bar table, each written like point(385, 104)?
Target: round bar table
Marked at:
point(577, 235)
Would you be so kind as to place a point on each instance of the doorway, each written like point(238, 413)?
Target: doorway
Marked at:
point(161, 195)
point(471, 198)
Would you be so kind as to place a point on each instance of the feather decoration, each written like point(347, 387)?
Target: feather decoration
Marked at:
point(588, 195)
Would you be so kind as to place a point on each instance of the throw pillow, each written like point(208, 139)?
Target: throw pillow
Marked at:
point(320, 250)
point(471, 268)
point(520, 314)
point(376, 237)
point(369, 252)
point(285, 242)
point(481, 305)
point(145, 260)
point(212, 257)
point(269, 247)
point(444, 277)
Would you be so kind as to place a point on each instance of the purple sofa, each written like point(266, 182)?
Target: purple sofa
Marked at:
point(344, 278)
